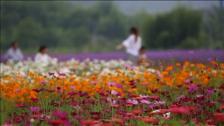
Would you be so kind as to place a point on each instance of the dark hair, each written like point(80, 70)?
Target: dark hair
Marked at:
point(13, 43)
point(134, 30)
point(42, 48)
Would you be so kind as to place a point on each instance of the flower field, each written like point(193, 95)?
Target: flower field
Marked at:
point(112, 93)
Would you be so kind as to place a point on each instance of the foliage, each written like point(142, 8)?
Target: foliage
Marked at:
point(73, 27)
point(174, 29)
point(214, 27)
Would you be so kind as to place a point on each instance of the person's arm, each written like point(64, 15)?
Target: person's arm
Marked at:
point(120, 46)
point(125, 43)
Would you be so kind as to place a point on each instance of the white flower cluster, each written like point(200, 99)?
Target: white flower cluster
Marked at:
point(72, 66)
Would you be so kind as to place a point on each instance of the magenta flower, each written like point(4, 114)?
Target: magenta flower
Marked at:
point(34, 99)
point(143, 96)
point(59, 122)
point(192, 88)
point(34, 109)
point(145, 101)
point(71, 93)
point(72, 87)
point(113, 92)
point(44, 82)
point(210, 91)
point(111, 83)
point(60, 114)
point(132, 101)
point(185, 110)
point(115, 84)
point(119, 86)
point(152, 106)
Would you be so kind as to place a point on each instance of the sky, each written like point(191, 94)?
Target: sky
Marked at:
point(132, 7)
point(161, 6)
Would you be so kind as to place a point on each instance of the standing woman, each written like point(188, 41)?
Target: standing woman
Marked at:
point(132, 45)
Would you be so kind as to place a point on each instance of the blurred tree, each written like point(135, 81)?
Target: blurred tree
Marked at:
point(214, 27)
point(28, 32)
point(171, 29)
point(63, 25)
point(111, 22)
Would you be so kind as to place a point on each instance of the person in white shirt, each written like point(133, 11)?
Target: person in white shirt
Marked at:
point(14, 53)
point(42, 57)
point(132, 45)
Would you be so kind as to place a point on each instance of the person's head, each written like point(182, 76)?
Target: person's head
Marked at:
point(14, 45)
point(134, 30)
point(142, 50)
point(43, 49)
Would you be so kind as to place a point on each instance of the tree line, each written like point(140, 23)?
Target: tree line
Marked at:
point(64, 27)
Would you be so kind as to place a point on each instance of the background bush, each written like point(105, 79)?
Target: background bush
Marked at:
point(67, 28)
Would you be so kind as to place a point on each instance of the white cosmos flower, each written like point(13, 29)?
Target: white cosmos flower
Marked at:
point(71, 67)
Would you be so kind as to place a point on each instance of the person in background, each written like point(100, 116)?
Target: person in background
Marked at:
point(132, 45)
point(42, 57)
point(14, 53)
point(142, 59)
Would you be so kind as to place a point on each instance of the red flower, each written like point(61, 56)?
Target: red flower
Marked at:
point(136, 111)
point(20, 105)
point(95, 115)
point(56, 122)
point(151, 120)
point(186, 110)
point(160, 111)
point(60, 114)
point(219, 117)
point(89, 122)
point(115, 105)
point(222, 107)
point(117, 121)
point(154, 97)
point(34, 99)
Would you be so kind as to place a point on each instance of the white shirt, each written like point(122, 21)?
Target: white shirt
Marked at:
point(42, 59)
point(14, 54)
point(132, 45)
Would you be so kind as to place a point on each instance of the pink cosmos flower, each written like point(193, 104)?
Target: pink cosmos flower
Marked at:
point(145, 101)
point(113, 92)
point(35, 109)
point(115, 84)
point(71, 93)
point(192, 88)
point(60, 114)
point(132, 101)
point(210, 91)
